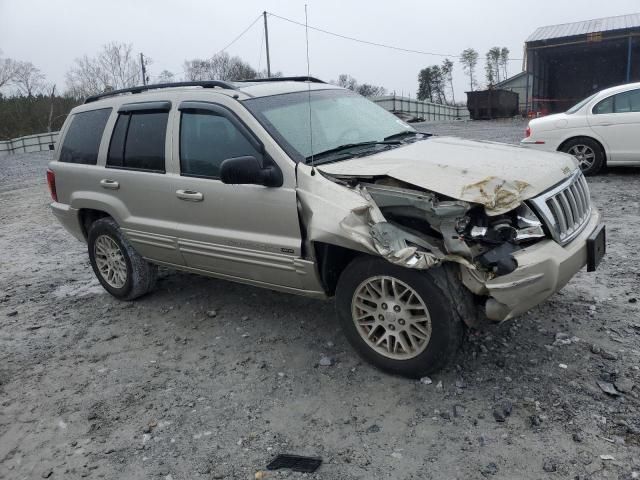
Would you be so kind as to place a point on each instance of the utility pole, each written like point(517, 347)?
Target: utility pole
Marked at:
point(266, 42)
point(144, 71)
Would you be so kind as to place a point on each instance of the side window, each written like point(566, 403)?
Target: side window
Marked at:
point(605, 106)
point(624, 102)
point(206, 140)
point(138, 141)
point(627, 102)
point(82, 141)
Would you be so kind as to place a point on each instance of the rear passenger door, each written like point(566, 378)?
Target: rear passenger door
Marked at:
point(617, 120)
point(241, 231)
point(136, 180)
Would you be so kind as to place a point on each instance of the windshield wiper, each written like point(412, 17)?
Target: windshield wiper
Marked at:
point(401, 134)
point(348, 146)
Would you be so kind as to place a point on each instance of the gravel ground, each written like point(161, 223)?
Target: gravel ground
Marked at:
point(209, 379)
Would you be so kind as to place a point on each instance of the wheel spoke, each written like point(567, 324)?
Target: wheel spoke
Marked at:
point(403, 343)
point(413, 332)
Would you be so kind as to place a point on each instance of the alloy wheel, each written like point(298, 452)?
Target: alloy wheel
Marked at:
point(584, 154)
point(391, 317)
point(110, 261)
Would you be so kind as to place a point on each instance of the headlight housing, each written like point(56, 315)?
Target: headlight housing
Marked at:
point(519, 226)
point(529, 226)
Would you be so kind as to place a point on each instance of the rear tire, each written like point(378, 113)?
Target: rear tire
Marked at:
point(403, 321)
point(119, 268)
point(588, 153)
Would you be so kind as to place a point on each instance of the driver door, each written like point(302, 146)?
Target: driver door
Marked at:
point(246, 232)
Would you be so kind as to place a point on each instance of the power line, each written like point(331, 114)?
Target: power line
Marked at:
point(239, 36)
point(375, 44)
point(230, 43)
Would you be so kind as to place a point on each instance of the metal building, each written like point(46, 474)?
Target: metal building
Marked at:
point(571, 61)
point(521, 84)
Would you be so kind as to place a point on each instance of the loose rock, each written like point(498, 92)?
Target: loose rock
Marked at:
point(325, 361)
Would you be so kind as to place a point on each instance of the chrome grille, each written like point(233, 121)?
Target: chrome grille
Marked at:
point(565, 208)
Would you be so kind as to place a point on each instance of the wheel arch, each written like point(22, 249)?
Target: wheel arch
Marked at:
point(576, 137)
point(87, 216)
point(331, 261)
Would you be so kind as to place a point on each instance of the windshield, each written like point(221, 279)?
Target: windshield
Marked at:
point(581, 104)
point(339, 118)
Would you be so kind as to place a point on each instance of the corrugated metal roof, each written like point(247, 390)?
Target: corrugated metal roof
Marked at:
point(588, 26)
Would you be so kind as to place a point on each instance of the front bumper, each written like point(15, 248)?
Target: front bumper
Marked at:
point(543, 269)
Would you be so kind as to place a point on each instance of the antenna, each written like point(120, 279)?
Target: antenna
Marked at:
point(306, 33)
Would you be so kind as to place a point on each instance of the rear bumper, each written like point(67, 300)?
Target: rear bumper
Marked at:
point(546, 145)
point(543, 269)
point(69, 219)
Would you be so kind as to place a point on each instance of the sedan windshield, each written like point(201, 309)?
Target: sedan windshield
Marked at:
point(344, 123)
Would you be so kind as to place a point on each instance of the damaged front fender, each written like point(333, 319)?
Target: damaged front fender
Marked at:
point(362, 225)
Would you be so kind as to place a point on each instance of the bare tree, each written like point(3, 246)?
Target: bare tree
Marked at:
point(221, 66)
point(504, 62)
point(447, 74)
point(7, 70)
point(28, 79)
point(114, 67)
point(52, 96)
point(492, 66)
point(469, 60)
point(364, 89)
point(196, 69)
point(165, 77)
point(346, 81)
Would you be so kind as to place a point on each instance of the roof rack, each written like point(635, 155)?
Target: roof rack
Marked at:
point(144, 88)
point(284, 79)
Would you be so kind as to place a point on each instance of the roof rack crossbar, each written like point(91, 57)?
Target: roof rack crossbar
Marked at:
point(284, 79)
point(144, 88)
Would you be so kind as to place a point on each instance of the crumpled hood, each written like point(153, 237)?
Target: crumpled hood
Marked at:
point(495, 175)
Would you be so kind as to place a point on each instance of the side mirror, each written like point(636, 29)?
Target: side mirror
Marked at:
point(247, 170)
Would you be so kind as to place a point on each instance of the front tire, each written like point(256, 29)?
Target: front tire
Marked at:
point(588, 153)
point(401, 320)
point(119, 268)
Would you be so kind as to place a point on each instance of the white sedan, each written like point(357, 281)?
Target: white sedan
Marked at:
point(603, 129)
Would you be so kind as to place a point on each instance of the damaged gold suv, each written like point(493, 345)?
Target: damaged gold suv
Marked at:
point(299, 186)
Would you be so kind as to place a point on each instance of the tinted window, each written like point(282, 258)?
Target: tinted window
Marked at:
point(206, 140)
point(605, 106)
point(116, 147)
point(82, 141)
point(138, 141)
point(627, 102)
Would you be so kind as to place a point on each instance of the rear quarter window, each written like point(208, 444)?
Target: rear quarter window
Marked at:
point(82, 141)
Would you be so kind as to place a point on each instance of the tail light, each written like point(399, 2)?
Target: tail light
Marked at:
point(527, 132)
point(51, 181)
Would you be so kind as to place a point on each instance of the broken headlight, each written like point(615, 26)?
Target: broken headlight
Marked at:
point(529, 225)
point(521, 225)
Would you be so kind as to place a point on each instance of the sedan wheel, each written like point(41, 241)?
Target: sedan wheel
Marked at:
point(587, 152)
point(585, 155)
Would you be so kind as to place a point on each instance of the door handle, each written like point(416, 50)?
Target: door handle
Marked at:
point(189, 195)
point(110, 184)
